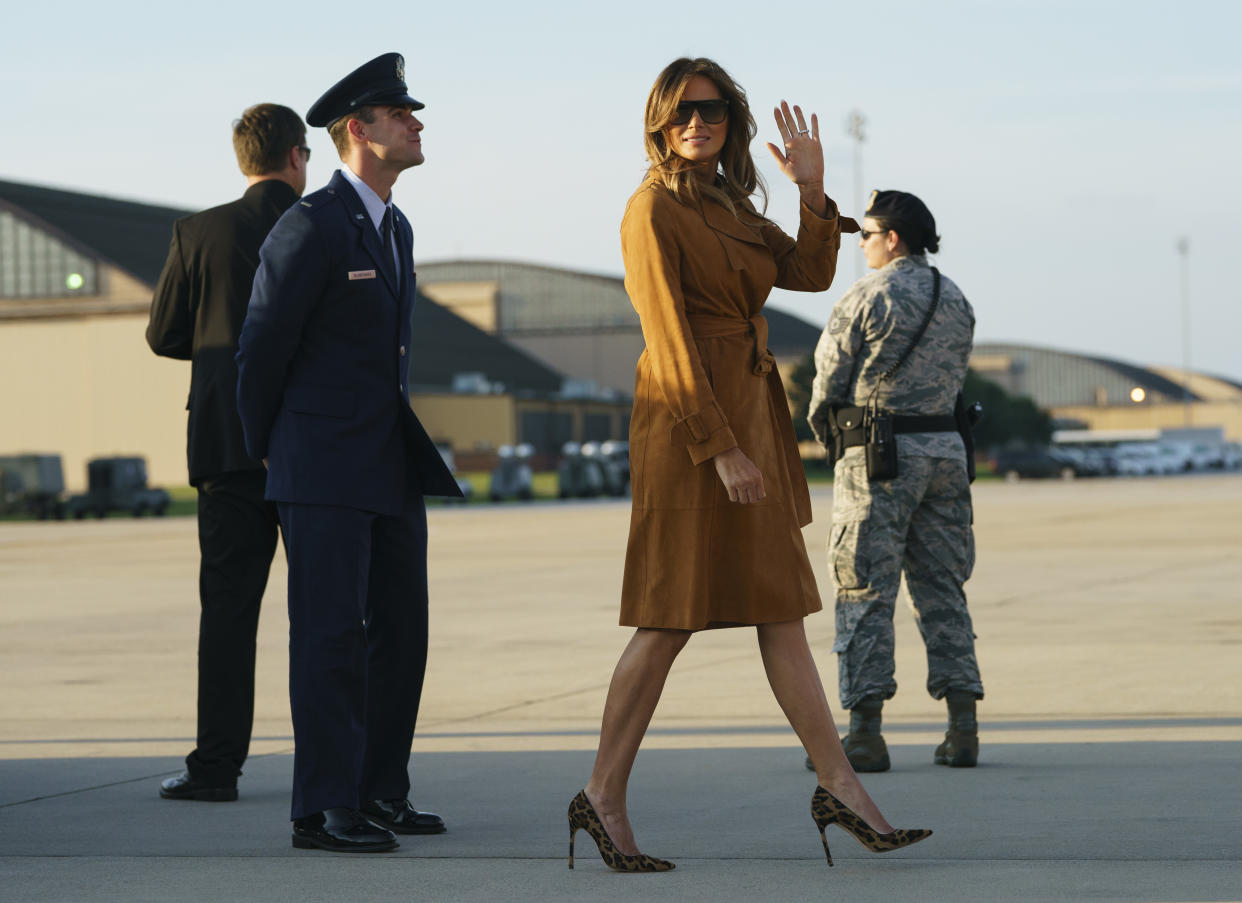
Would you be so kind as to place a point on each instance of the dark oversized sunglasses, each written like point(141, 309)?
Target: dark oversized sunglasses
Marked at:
point(864, 234)
point(713, 112)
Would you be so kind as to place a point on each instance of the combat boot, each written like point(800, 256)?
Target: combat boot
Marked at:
point(863, 745)
point(960, 748)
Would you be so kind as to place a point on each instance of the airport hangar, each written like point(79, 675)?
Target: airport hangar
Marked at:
point(503, 352)
point(77, 273)
point(584, 326)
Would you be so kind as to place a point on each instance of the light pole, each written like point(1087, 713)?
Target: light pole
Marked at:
point(1183, 252)
point(854, 124)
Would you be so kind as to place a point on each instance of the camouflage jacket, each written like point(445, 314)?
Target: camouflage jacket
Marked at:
point(870, 327)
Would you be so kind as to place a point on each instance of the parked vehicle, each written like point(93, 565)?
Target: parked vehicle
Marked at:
point(1206, 456)
point(1015, 464)
point(32, 484)
point(512, 477)
point(579, 475)
point(118, 484)
point(1085, 462)
point(1148, 459)
point(618, 453)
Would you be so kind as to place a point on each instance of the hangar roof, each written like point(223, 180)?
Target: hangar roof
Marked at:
point(443, 344)
point(135, 236)
point(540, 299)
point(131, 235)
point(1054, 378)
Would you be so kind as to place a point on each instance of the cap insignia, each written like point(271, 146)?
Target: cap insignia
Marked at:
point(401, 68)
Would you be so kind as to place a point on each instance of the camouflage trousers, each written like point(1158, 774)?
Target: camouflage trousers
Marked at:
point(919, 523)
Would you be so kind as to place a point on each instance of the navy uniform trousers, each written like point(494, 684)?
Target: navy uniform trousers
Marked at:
point(357, 648)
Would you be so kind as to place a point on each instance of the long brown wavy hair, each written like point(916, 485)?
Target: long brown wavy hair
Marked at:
point(736, 179)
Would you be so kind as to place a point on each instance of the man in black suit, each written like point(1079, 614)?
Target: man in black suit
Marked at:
point(322, 391)
point(200, 303)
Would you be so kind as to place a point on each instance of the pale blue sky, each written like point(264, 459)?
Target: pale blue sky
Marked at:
point(1062, 146)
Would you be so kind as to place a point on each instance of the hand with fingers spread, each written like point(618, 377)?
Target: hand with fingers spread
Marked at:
point(802, 161)
point(741, 477)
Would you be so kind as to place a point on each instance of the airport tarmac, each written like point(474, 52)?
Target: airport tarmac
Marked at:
point(1109, 616)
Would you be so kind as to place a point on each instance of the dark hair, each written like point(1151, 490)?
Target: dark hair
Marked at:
point(916, 239)
point(263, 135)
point(339, 130)
point(737, 178)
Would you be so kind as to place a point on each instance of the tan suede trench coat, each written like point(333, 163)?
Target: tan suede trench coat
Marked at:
point(705, 383)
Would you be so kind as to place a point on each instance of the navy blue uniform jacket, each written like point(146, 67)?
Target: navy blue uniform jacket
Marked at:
point(322, 362)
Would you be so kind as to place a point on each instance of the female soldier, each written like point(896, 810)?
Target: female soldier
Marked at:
point(719, 492)
point(907, 315)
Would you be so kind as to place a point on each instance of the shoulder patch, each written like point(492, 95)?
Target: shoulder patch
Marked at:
point(838, 324)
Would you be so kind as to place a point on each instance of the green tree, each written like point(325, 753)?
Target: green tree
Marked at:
point(1006, 418)
point(799, 392)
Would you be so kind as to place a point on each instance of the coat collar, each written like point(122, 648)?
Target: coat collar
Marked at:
point(724, 222)
point(278, 190)
point(717, 217)
point(906, 261)
point(358, 216)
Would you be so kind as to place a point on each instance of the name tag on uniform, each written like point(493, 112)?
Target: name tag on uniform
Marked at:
point(361, 274)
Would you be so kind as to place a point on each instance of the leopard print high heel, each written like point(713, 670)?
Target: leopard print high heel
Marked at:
point(827, 810)
point(582, 815)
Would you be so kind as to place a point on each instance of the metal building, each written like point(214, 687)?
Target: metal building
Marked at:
point(582, 324)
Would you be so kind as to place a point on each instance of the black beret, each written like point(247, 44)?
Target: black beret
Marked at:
point(904, 208)
point(381, 81)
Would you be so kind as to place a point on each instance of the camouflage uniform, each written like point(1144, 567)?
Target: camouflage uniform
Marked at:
point(921, 520)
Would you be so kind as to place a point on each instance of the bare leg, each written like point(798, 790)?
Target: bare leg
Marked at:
point(796, 685)
point(636, 686)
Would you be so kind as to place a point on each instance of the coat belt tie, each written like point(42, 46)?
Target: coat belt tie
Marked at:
point(707, 326)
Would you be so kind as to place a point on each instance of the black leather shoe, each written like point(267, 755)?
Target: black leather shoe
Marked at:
point(349, 832)
point(184, 787)
point(401, 817)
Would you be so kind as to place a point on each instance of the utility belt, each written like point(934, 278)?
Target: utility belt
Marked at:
point(876, 432)
point(853, 433)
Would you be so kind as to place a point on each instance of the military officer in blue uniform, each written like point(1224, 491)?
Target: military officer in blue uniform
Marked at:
point(322, 393)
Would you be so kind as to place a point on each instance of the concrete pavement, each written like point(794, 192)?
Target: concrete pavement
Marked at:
point(1108, 620)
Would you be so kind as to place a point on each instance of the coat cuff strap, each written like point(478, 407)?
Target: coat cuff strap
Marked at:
point(705, 433)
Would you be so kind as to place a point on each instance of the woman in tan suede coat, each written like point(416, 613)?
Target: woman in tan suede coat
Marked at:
point(719, 492)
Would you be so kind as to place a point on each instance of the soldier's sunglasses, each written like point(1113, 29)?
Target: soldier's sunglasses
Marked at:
point(305, 152)
point(713, 112)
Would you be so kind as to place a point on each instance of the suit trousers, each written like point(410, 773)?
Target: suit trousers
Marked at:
point(357, 651)
point(237, 533)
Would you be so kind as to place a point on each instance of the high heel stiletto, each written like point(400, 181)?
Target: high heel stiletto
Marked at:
point(827, 810)
point(582, 815)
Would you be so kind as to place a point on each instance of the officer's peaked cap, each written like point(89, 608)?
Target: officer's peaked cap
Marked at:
point(904, 208)
point(381, 81)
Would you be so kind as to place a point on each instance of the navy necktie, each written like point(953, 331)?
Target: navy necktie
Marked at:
point(386, 242)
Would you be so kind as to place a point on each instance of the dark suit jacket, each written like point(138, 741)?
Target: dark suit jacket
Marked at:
point(200, 303)
point(323, 362)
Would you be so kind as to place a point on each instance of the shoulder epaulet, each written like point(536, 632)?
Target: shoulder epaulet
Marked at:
point(318, 198)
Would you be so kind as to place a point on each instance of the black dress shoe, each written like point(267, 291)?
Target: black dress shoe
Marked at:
point(401, 817)
point(348, 832)
point(184, 787)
